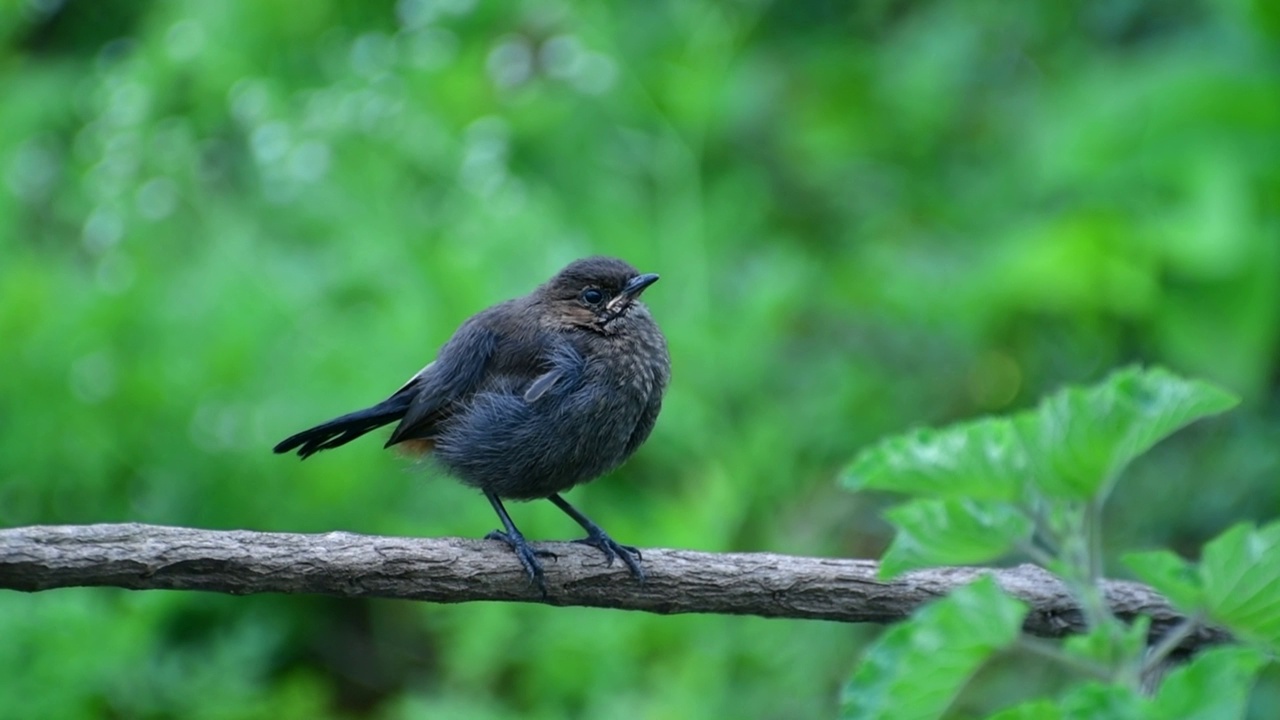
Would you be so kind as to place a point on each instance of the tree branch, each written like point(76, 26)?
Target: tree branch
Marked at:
point(239, 562)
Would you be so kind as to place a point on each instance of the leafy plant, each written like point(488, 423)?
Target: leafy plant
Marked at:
point(1036, 483)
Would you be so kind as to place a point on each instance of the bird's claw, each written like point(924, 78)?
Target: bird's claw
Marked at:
point(614, 550)
point(527, 555)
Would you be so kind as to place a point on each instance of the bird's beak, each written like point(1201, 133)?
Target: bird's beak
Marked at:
point(630, 291)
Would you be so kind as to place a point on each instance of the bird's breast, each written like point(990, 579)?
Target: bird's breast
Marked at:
point(637, 361)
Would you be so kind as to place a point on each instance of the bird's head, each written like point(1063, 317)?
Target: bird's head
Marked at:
point(596, 293)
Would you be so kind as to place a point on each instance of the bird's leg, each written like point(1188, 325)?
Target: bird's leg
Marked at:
point(597, 538)
point(525, 552)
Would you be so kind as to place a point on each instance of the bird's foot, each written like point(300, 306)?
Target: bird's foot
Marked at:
point(527, 555)
point(614, 550)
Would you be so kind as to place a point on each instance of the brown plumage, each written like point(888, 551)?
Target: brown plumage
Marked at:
point(531, 397)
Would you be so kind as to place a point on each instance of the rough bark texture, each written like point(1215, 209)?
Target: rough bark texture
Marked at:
point(147, 557)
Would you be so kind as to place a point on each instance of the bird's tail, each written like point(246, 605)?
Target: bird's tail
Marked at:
point(342, 430)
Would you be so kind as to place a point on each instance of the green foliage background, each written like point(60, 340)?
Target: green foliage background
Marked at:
point(222, 221)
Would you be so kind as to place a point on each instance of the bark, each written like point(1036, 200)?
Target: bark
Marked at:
point(450, 570)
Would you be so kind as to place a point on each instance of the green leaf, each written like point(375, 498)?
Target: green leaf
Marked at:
point(983, 459)
point(1030, 710)
point(952, 532)
point(1215, 684)
point(1101, 701)
point(1090, 700)
point(1080, 439)
point(1170, 575)
point(1110, 644)
point(915, 669)
point(1240, 572)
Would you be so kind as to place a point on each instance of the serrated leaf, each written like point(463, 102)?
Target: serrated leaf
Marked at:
point(1240, 572)
point(1080, 439)
point(1215, 684)
point(934, 532)
point(1171, 576)
point(915, 669)
point(983, 459)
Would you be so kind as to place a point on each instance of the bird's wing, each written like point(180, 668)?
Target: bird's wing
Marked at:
point(644, 426)
point(456, 372)
point(542, 384)
point(567, 365)
point(413, 381)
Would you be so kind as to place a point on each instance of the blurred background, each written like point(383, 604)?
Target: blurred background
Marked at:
point(221, 222)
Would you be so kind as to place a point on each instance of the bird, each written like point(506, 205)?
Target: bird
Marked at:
point(530, 398)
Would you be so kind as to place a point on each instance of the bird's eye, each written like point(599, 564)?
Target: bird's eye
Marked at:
point(592, 296)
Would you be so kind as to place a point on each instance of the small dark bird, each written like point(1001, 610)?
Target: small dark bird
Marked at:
point(531, 397)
